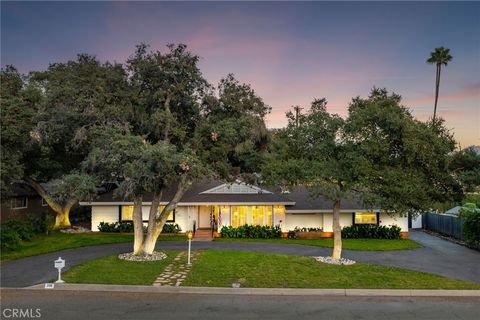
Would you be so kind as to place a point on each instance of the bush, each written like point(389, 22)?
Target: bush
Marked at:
point(297, 229)
point(123, 226)
point(9, 238)
point(171, 228)
point(471, 226)
point(14, 231)
point(371, 231)
point(251, 231)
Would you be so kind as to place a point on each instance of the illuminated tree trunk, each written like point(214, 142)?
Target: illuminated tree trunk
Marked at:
point(62, 212)
point(337, 232)
point(137, 226)
point(160, 220)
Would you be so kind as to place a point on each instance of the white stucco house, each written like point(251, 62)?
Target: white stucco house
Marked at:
point(235, 204)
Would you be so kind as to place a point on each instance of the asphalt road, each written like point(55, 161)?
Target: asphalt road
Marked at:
point(438, 256)
point(121, 305)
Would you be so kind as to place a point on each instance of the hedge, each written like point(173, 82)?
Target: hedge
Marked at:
point(251, 231)
point(371, 231)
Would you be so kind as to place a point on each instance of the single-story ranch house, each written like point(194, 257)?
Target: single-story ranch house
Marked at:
point(236, 204)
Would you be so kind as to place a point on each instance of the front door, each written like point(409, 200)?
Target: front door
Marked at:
point(204, 216)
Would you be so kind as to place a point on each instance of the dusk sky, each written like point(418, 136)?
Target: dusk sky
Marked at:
point(290, 52)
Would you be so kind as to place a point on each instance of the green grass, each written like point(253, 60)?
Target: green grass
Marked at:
point(59, 241)
point(348, 244)
point(111, 270)
point(257, 270)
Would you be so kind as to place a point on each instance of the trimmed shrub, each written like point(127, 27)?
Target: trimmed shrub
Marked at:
point(123, 226)
point(251, 231)
point(371, 231)
point(471, 226)
point(171, 228)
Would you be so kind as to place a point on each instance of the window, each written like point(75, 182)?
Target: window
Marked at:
point(365, 218)
point(239, 215)
point(127, 213)
point(19, 203)
point(171, 215)
point(44, 203)
point(255, 215)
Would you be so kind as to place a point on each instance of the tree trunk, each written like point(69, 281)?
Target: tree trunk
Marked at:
point(62, 213)
point(166, 129)
point(137, 226)
point(152, 232)
point(437, 88)
point(160, 220)
point(337, 232)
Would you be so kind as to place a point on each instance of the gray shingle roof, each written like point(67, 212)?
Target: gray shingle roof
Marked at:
point(298, 199)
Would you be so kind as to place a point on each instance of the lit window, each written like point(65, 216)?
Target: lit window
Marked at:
point(127, 213)
point(171, 215)
point(365, 218)
point(19, 203)
point(239, 215)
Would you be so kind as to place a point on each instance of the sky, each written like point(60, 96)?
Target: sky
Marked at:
point(289, 52)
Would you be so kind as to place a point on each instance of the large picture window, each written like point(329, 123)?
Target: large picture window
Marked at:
point(365, 218)
point(256, 215)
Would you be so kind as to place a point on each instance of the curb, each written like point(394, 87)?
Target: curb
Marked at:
point(261, 291)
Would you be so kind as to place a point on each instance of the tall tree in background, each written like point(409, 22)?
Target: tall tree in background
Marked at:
point(181, 130)
point(19, 103)
point(441, 56)
point(76, 96)
point(379, 154)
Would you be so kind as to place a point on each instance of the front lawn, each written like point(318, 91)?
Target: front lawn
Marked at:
point(59, 241)
point(259, 270)
point(348, 244)
point(111, 270)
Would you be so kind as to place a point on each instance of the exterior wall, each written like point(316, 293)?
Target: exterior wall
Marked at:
point(34, 208)
point(389, 220)
point(103, 213)
point(417, 222)
point(183, 217)
point(313, 220)
point(345, 220)
point(279, 217)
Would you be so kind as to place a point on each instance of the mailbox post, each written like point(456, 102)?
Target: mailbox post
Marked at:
point(190, 236)
point(59, 264)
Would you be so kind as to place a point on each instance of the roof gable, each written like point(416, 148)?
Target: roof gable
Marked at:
point(235, 188)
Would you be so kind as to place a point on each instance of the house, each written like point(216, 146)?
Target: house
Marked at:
point(25, 202)
point(236, 204)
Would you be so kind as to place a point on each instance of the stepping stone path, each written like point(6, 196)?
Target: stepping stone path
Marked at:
point(176, 272)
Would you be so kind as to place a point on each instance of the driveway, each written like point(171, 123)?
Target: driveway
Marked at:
point(438, 256)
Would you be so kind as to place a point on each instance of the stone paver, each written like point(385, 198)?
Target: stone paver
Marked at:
point(176, 272)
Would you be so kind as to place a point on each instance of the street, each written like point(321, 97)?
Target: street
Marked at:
point(127, 305)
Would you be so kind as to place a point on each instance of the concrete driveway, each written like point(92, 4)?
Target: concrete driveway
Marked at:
point(438, 256)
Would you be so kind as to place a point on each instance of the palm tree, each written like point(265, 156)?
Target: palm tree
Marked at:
point(439, 56)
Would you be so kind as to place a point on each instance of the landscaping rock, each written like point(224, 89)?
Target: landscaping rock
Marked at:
point(155, 256)
point(76, 230)
point(330, 260)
